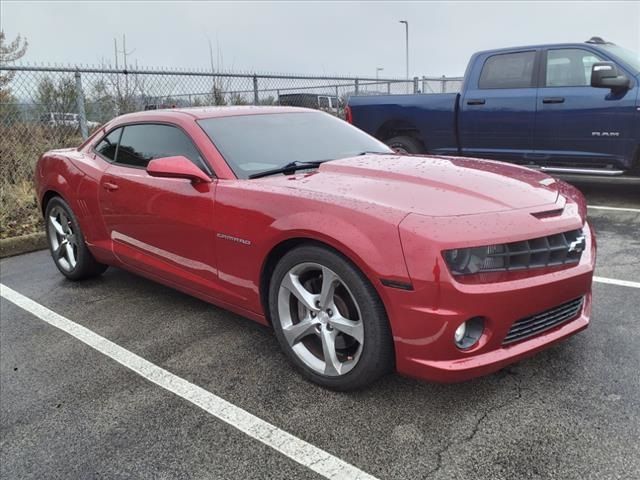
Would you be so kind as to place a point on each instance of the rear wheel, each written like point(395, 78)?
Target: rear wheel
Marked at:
point(329, 320)
point(405, 145)
point(66, 243)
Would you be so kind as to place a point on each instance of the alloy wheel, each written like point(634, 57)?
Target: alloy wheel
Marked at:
point(320, 319)
point(62, 239)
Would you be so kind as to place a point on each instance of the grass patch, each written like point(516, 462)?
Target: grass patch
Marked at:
point(19, 212)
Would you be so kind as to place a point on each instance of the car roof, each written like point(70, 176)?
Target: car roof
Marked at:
point(200, 113)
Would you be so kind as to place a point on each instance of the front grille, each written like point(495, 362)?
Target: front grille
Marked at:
point(559, 249)
point(535, 324)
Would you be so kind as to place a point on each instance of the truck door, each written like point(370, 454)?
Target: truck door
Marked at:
point(579, 126)
point(497, 109)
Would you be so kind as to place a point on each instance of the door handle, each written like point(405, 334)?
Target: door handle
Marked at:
point(110, 187)
point(553, 100)
point(475, 101)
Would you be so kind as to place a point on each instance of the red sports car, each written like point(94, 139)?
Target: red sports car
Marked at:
point(361, 260)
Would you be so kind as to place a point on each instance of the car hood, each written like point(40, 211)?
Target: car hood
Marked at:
point(435, 186)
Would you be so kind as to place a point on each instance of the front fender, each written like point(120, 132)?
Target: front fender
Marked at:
point(250, 225)
point(374, 250)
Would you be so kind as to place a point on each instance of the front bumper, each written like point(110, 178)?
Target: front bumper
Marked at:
point(424, 320)
point(493, 358)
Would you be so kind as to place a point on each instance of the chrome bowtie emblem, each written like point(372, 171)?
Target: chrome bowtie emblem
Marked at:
point(577, 245)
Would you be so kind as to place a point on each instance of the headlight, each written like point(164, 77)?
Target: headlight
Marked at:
point(552, 250)
point(464, 261)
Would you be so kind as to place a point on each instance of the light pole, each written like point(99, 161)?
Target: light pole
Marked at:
point(406, 31)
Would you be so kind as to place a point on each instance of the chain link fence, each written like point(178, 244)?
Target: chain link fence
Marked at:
point(42, 108)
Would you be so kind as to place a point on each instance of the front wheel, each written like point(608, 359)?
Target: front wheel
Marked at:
point(66, 243)
point(329, 320)
point(405, 145)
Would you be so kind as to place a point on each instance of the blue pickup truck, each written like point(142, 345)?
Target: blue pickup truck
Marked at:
point(563, 108)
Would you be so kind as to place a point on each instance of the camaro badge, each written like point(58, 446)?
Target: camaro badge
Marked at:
point(224, 236)
point(578, 245)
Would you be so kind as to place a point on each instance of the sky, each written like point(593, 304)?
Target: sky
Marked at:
point(329, 38)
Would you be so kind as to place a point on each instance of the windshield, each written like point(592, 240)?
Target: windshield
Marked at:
point(629, 57)
point(255, 143)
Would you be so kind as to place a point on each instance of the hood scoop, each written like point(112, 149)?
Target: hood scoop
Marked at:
point(548, 213)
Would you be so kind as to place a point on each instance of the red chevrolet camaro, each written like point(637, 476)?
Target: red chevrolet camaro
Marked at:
point(361, 260)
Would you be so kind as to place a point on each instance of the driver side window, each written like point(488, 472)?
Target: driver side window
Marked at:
point(108, 146)
point(142, 143)
point(569, 67)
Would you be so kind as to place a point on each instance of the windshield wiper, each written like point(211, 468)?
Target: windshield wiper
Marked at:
point(289, 167)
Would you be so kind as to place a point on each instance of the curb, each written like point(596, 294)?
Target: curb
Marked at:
point(10, 247)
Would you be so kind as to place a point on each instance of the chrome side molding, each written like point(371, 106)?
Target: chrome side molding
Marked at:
point(584, 171)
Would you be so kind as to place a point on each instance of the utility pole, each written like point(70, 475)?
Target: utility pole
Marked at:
point(406, 31)
point(115, 51)
point(125, 97)
point(124, 59)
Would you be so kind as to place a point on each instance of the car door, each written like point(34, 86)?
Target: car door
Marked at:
point(497, 109)
point(578, 125)
point(162, 226)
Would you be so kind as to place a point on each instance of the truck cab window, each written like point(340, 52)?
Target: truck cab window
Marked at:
point(508, 70)
point(569, 67)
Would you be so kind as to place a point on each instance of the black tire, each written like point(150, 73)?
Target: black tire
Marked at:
point(406, 145)
point(376, 357)
point(86, 265)
point(635, 168)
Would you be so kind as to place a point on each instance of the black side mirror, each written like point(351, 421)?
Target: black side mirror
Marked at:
point(606, 75)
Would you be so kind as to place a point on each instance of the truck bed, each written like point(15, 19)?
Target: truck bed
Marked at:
point(385, 116)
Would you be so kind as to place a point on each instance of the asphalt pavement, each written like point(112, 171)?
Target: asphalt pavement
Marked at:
point(70, 412)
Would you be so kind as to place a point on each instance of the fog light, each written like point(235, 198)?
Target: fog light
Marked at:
point(460, 331)
point(468, 333)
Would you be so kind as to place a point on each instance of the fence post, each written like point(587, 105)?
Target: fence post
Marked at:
point(416, 88)
point(424, 84)
point(278, 96)
point(256, 97)
point(388, 88)
point(337, 102)
point(444, 84)
point(82, 116)
point(357, 85)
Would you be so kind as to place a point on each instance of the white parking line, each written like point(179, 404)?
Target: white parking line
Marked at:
point(614, 281)
point(615, 209)
point(293, 447)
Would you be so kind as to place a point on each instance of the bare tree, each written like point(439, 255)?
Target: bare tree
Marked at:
point(9, 53)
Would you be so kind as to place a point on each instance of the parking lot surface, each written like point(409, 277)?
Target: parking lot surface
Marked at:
point(68, 411)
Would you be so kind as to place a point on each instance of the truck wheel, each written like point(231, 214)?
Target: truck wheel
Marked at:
point(405, 145)
point(635, 168)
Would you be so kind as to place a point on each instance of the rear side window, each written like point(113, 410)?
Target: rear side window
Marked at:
point(142, 143)
point(508, 70)
point(569, 67)
point(109, 145)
